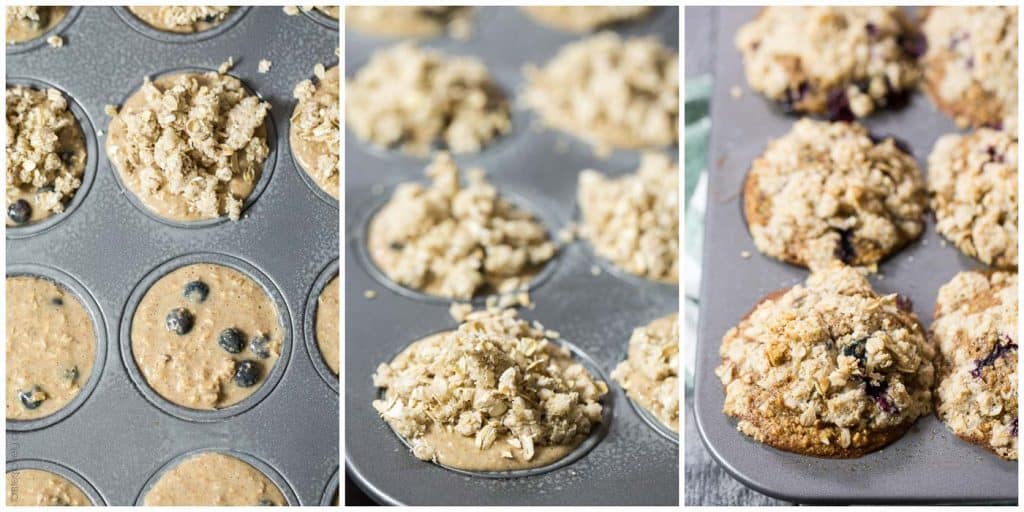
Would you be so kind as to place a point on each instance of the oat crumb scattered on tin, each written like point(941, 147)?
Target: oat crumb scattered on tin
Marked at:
point(370, 294)
point(291, 10)
point(110, 110)
point(263, 66)
point(745, 255)
point(595, 270)
point(736, 92)
point(55, 41)
point(226, 65)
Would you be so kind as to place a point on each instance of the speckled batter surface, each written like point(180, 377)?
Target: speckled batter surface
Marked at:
point(35, 487)
point(50, 345)
point(193, 370)
point(214, 479)
point(650, 373)
point(327, 333)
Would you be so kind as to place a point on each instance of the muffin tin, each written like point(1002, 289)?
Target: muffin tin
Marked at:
point(929, 463)
point(106, 250)
point(629, 462)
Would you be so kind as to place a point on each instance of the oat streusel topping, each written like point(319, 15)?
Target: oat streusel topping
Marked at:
point(633, 220)
point(497, 380)
point(190, 146)
point(27, 22)
point(828, 191)
point(971, 63)
point(411, 21)
point(182, 19)
point(650, 373)
point(611, 92)
point(828, 368)
point(45, 154)
point(420, 99)
point(456, 240)
point(843, 61)
point(316, 128)
point(579, 18)
point(975, 329)
point(973, 182)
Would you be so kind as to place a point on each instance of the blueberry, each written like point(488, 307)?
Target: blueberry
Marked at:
point(792, 97)
point(45, 189)
point(914, 45)
point(903, 302)
point(66, 156)
point(1013, 428)
point(196, 291)
point(180, 321)
point(995, 156)
point(872, 29)
point(247, 373)
point(845, 250)
point(856, 349)
point(877, 393)
point(71, 374)
point(396, 246)
point(1004, 345)
point(838, 106)
point(32, 398)
point(19, 211)
point(264, 502)
point(57, 301)
point(231, 339)
point(259, 345)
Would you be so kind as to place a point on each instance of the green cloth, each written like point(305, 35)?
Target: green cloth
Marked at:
point(698, 127)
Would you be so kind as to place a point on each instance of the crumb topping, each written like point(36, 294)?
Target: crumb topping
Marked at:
point(316, 127)
point(45, 152)
point(193, 140)
point(27, 22)
point(829, 191)
point(650, 373)
point(183, 19)
point(975, 328)
point(633, 220)
point(457, 240)
point(827, 368)
point(411, 21)
point(844, 61)
point(610, 91)
point(973, 182)
point(971, 63)
point(579, 18)
point(496, 379)
point(420, 99)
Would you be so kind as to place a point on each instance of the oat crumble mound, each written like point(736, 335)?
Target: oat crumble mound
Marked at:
point(830, 191)
point(975, 329)
point(420, 99)
point(973, 182)
point(610, 91)
point(45, 152)
point(633, 220)
point(578, 18)
point(27, 22)
point(496, 379)
point(182, 18)
point(316, 123)
point(828, 368)
point(456, 240)
point(650, 373)
point(411, 21)
point(191, 138)
point(971, 63)
point(842, 61)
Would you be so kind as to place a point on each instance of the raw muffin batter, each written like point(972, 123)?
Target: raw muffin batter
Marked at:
point(34, 487)
point(456, 240)
point(190, 146)
point(843, 62)
point(25, 23)
point(420, 99)
point(973, 181)
point(181, 19)
point(214, 479)
point(829, 368)
point(975, 329)
point(327, 307)
point(830, 191)
point(206, 336)
point(315, 136)
point(609, 91)
point(45, 154)
point(496, 394)
point(970, 67)
point(51, 347)
point(634, 220)
point(650, 373)
point(410, 21)
point(580, 18)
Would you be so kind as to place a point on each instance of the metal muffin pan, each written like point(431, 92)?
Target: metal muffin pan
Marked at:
point(928, 464)
point(632, 463)
point(117, 439)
